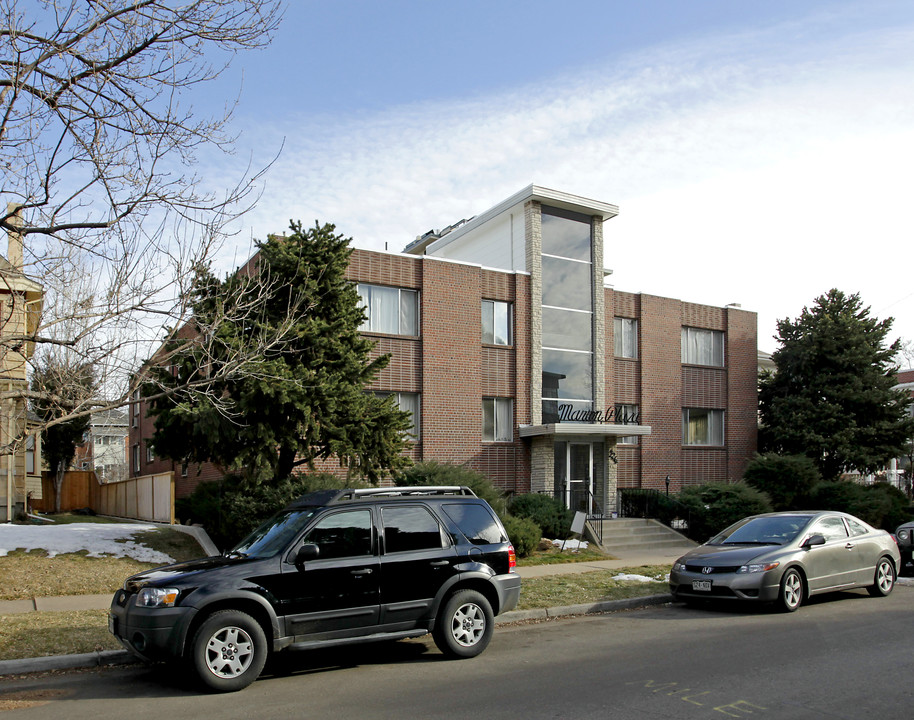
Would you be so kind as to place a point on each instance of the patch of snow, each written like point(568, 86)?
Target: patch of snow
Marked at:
point(98, 539)
point(639, 578)
point(571, 544)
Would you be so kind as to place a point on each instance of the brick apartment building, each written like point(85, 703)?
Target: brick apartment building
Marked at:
point(517, 359)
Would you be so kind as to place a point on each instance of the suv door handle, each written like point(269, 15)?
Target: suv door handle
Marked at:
point(361, 571)
point(439, 563)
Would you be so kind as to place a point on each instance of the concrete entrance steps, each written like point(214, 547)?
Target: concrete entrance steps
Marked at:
point(630, 536)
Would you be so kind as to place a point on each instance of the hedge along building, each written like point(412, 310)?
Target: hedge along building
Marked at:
point(516, 359)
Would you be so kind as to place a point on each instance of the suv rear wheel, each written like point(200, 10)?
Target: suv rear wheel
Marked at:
point(229, 650)
point(464, 625)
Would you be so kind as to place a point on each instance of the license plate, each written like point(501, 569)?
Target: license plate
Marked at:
point(112, 624)
point(702, 585)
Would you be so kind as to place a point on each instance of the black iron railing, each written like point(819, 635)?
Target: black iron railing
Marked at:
point(645, 503)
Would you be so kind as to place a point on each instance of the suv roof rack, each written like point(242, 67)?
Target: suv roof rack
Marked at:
point(408, 490)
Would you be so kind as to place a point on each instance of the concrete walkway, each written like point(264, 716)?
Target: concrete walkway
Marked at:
point(116, 657)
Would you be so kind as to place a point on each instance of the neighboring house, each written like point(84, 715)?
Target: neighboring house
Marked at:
point(899, 470)
point(105, 446)
point(20, 307)
point(517, 359)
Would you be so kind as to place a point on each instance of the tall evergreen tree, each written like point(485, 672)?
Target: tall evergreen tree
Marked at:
point(831, 396)
point(305, 399)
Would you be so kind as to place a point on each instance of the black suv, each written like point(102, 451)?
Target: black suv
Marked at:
point(334, 567)
point(904, 536)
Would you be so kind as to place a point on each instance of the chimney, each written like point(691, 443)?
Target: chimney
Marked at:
point(14, 237)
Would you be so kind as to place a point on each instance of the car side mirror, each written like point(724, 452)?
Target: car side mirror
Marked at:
point(813, 540)
point(308, 551)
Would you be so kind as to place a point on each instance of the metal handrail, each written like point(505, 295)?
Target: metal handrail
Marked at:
point(654, 504)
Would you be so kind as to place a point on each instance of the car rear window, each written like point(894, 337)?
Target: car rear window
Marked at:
point(477, 522)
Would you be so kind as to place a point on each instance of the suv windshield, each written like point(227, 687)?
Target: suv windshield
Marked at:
point(778, 530)
point(275, 534)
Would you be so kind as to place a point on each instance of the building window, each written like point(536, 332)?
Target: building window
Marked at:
point(30, 455)
point(625, 337)
point(702, 427)
point(627, 415)
point(150, 455)
point(496, 322)
point(135, 451)
point(184, 469)
point(497, 419)
point(389, 310)
point(136, 408)
point(702, 347)
point(408, 402)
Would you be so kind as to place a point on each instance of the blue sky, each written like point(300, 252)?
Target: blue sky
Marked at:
point(760, 153)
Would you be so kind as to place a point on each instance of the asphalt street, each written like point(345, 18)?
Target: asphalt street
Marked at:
point(841, 656)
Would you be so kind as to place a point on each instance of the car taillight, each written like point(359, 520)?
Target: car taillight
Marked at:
point(512, 558)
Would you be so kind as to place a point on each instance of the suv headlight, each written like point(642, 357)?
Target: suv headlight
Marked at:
point(157, 597)
point(758, 567)
point(903, 535)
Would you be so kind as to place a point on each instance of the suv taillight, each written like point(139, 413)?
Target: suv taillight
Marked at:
point(512, 558)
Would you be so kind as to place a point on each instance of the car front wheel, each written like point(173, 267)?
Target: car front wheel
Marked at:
point(884, 580)
point(229, 651)
point(791, 595)
point(464, 625)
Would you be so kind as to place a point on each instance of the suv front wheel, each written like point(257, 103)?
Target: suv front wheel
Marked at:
point(464, 625)
point(229, 651)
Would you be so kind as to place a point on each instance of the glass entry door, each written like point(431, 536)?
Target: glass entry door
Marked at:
point(579, 487)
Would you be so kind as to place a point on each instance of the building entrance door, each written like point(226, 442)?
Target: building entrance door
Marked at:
point(579, 488)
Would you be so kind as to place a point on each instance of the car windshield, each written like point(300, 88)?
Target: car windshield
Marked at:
point(772, 530)
point(275, 534)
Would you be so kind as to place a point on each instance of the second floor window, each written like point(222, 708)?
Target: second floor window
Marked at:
point(627, 415)
point(702, 347)
point(625, 337)
point(496, 322)
point(389, 310)
point(408, 402)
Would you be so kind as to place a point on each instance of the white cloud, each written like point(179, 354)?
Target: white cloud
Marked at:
point(763, 168)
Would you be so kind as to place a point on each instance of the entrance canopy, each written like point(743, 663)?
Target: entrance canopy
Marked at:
point(578, 429)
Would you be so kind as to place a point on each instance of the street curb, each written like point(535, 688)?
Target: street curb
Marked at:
point(99, 658)
point(583, 609)
point(124, 657)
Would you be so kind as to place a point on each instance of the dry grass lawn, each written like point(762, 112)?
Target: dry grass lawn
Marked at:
point(39, 634)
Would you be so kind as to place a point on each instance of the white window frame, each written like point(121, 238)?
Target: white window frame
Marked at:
point(626, 410)
point(498, 413)
point(702, 347)
point(498, 315)
point(715, 432)
point(625, 337)
point(407, 300)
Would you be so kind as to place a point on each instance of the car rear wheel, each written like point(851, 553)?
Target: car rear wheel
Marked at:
point(229, 651)
point(884, 580)
point(464, 625)
point(791, 595)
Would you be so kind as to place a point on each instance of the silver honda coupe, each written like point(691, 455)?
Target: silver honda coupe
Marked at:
point(786, 557)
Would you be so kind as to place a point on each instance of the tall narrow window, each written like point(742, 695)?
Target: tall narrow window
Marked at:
point(394, 311)
point(702, 347)
point(702, 427)
point(497, 419)
point(496, 322)
point(625, 337)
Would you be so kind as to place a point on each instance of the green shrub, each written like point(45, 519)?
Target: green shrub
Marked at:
point(231, 508)
point(435, 473)
point(880, 504)
point(787, 479)
point(523, 533)
point(715, 506)
point(553, 518)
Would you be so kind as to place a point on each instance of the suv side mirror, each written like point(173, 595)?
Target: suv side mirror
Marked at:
point(813, 540)
point(308, 551)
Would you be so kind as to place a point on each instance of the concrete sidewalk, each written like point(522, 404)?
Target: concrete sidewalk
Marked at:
point(119, 657)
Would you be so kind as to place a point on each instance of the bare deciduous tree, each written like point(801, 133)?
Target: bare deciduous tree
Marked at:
point(100, 198)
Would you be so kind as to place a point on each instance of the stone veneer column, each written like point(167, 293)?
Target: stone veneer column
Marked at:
point(542, 465)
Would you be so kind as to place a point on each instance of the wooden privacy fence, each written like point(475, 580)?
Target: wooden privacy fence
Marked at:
point(150, 497)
